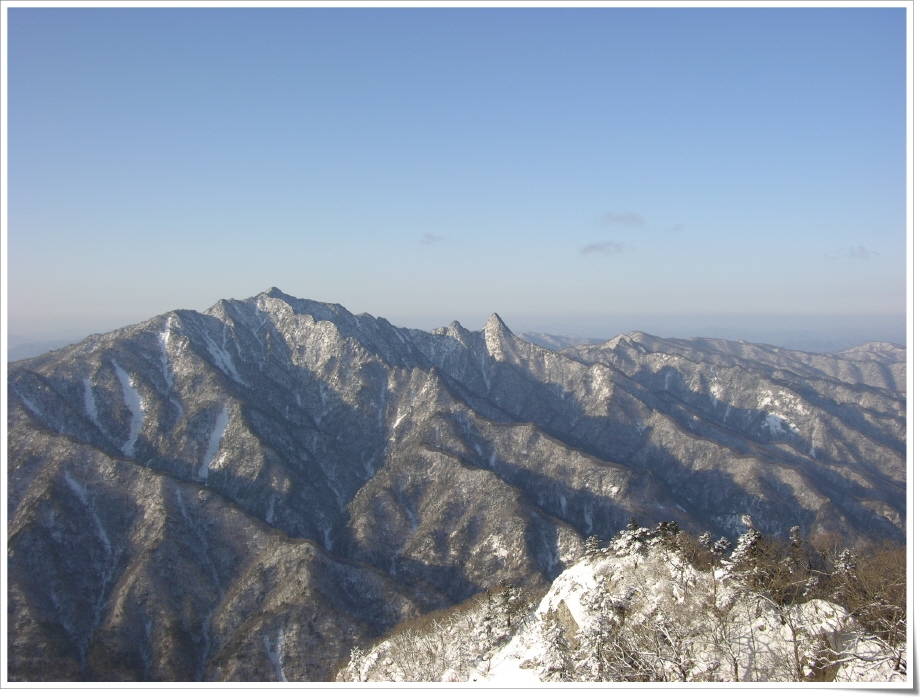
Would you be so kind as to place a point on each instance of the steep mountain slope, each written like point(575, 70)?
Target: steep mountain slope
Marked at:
point(247, 493)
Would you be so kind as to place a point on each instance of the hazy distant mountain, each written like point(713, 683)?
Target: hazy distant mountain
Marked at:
point(20, 350)
point(249, 492)
point(555, 342)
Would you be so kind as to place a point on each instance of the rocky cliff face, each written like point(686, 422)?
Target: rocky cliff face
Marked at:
point(247, 493)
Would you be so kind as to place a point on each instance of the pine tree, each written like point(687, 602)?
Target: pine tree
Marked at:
point(558, 666)
point(592, 546)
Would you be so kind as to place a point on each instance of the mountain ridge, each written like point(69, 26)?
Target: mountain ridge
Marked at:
point(437, 463)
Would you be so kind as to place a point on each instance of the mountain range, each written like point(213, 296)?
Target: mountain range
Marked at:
point(250, 492)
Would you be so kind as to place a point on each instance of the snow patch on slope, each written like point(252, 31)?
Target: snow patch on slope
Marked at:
point(222, 359)
point(83, 495)
point(163, 338)
point(135, 405)
point(777, 424)
point(89, 402)
point(31, 406)
point(274, 650)
point(217, 433)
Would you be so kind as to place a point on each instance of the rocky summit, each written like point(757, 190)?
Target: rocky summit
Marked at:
point(250, 492)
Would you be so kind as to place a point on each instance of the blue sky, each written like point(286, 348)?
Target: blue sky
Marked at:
point(583, 171)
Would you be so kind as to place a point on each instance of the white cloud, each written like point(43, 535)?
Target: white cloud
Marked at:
point(859, 252)
point(429, 240)
point(605, 248)
point(626, 219)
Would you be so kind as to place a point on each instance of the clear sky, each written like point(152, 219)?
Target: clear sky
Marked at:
point(566, 168)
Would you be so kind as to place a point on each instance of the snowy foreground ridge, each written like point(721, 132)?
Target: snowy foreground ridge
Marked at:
point(638, 610)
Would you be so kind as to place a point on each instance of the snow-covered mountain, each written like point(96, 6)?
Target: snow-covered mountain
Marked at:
point(250, 492)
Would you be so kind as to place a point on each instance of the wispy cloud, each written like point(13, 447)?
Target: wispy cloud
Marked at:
point(627, 219)
point(430, 240)
point(607, 249)
point(859, 252)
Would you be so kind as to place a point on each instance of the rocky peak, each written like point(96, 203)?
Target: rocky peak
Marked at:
point(497, 336)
